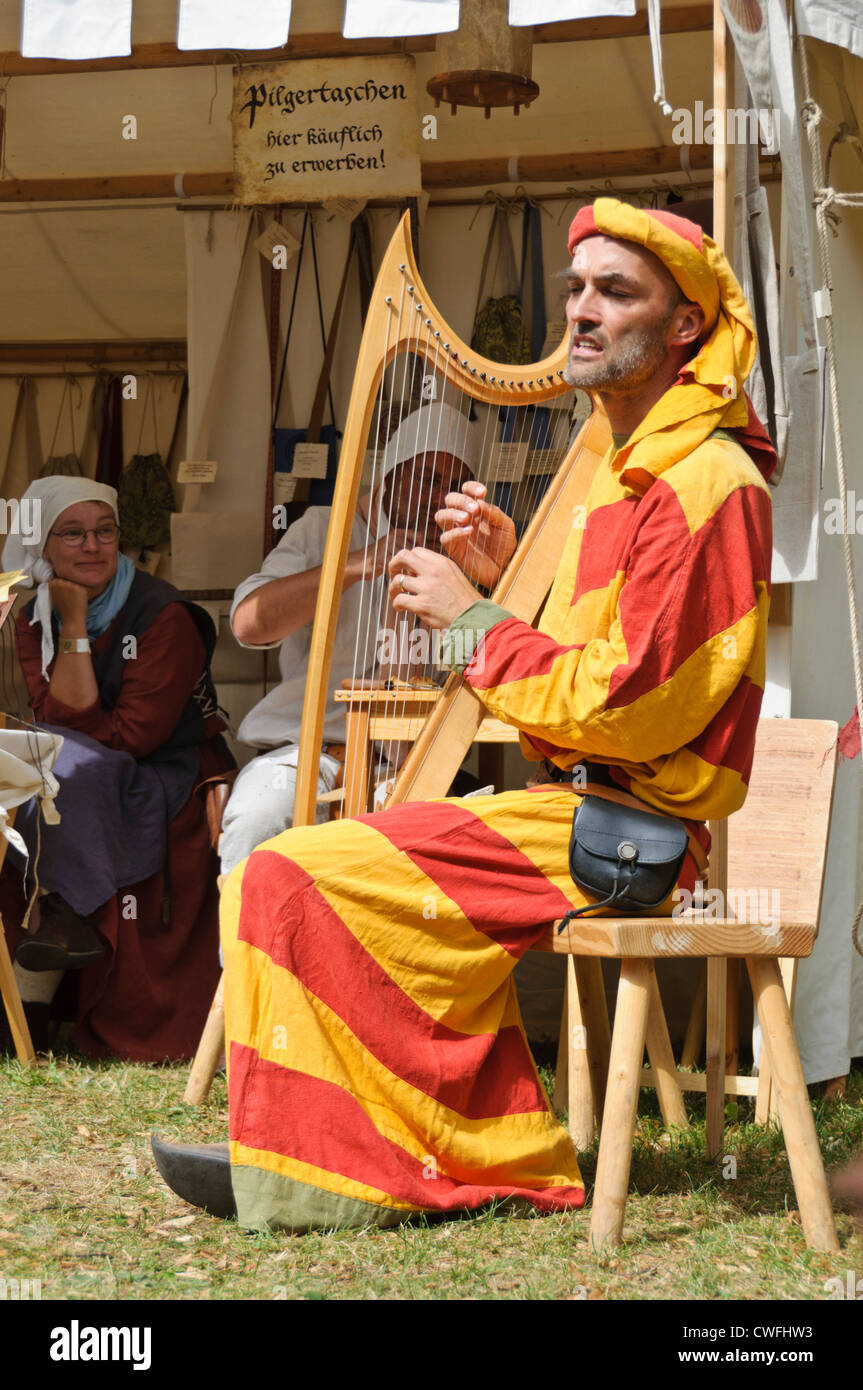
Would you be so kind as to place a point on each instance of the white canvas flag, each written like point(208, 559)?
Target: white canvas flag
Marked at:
point(76, 29)
point(377, 19)
point(549, 11)
point(834, 21)
point(233, 23)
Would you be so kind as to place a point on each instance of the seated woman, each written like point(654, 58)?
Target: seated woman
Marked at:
point(118, 663)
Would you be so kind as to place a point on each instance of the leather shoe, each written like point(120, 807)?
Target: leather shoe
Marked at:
point(62, 940)
point(199, 1173)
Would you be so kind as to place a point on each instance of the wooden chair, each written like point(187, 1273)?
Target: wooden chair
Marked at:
point(777, 846)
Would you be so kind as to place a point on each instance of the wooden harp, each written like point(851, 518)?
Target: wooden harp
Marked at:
point(402, 322)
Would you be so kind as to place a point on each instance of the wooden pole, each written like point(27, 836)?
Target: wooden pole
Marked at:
point(717, 970)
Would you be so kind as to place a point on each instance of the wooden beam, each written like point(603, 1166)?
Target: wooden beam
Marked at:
point(107, 351)
point(458, 173)
point(682, 19)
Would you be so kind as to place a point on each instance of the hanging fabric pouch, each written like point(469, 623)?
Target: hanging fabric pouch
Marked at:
point(285, 441)
point(145, 496)
point(63, 465)
point(627, 859)
point(498, 330)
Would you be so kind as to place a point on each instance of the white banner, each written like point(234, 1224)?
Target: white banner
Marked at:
point(548, 11)
point(834, 21)
point(233, 23)
point(76, 29)
point(376, 19)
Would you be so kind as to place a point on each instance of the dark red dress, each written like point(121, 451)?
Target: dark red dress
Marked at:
point(147, 999)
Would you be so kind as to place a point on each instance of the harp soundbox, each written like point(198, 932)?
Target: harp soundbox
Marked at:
point(409, 357)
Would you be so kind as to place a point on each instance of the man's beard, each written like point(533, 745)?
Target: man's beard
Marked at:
point(634, 363)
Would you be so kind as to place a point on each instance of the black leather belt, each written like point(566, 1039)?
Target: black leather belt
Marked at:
point(599, 773)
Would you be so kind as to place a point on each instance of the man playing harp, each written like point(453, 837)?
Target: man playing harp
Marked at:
point(377, 1064)
point(432, 452)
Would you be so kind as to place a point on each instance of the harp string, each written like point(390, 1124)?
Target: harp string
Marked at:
point(413, 376)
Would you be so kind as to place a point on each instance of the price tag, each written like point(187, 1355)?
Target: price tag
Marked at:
point(272, 238)
point(197, 471)
point(310, 461)
point(506, 463)
point(284, 487)
point(348, 208)
point(553, 334)
point(543, 461)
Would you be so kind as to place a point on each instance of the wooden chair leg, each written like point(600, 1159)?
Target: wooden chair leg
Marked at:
point(621, 1102)
point(801, 1141)
point(14, 1008)
point(209, 1051)
point(594, 1012)
point(560, 1095)
point(662, 1063)
point(715, 1043)
point(732, 1017)
point(765, 1104)
point(11, 995)
point(766, 1107)
point(24, 1050)
point(694, 1040)
point(579, 1088)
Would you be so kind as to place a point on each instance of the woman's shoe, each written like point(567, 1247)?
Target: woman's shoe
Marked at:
point(199, 1173)
point(62, 940)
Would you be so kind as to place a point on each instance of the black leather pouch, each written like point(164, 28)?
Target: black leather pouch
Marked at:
point(630, 860)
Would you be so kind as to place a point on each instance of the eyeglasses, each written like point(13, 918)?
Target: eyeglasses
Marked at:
point(106, 534)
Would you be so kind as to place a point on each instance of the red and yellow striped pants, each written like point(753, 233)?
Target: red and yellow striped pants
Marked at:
point(377, 1062)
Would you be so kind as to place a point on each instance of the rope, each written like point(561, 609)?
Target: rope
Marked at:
point(825, 198)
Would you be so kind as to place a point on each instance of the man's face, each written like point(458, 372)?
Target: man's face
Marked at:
point(416, 489)
point(620, 308)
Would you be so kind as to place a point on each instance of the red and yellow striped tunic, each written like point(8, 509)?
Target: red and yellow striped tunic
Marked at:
point(650, 654)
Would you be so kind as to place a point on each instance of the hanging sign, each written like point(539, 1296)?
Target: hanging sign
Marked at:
point(326, 128)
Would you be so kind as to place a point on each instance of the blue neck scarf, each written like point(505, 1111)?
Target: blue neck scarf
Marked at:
point(102, 611)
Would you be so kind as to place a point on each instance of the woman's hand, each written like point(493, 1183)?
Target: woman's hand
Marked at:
point(71, 601)
point(430, 585)
point(478, 536)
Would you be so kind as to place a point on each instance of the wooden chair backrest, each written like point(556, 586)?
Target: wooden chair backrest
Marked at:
point(778, 839)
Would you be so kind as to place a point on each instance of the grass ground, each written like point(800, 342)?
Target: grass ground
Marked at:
point(83, 1211)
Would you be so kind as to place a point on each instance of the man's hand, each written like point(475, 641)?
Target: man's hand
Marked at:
point(430, 585)
point(476, 534)
point(371, 560)
point(71, 601)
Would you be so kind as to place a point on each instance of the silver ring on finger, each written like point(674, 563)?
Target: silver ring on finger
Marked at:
point(402, 585)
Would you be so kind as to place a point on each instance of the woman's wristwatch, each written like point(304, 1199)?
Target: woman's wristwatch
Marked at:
point(74, 644)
